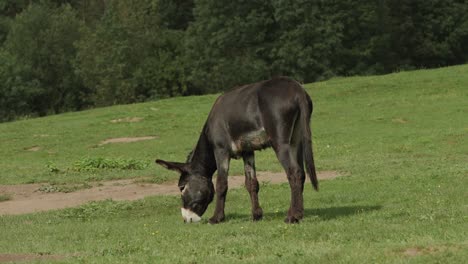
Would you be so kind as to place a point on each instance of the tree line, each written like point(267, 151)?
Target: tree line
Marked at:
point(68, 55)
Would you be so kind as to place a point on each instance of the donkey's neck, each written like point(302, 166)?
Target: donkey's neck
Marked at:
point(203, 160)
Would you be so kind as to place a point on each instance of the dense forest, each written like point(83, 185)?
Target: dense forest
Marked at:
point(67, 55)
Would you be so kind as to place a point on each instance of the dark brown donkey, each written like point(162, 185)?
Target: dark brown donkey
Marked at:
point(274, 113)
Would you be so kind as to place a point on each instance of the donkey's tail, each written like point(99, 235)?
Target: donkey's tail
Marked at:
point(306, 107)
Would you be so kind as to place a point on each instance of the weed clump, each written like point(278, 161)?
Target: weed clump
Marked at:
point(89, 164)
point(5, 197)
point(64, 188)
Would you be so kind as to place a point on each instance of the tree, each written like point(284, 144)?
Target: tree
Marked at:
point(17, 90)
point(40, 47)
point(227, 43)
point(129, 57)
point(175, 14)
point(306, 40)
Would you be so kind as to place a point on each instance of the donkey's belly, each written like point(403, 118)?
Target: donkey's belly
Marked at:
point(251, 141)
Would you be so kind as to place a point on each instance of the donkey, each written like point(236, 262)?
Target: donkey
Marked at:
point(274, 113)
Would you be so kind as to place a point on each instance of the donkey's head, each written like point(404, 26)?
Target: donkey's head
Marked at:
point(196, 190)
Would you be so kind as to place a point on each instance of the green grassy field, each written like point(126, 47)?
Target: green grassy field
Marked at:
point(402, 138)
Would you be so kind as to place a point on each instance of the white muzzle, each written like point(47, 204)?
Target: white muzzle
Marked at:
point(189, 216)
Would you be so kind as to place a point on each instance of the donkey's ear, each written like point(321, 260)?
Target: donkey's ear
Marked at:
point(175, 166)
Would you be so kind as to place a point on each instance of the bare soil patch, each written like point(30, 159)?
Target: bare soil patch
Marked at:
point(28, 257)
point(412, 252)
point(400, 120)
point(417, 251)
point(125, 140)
point(26, 198)
point(33, 148)
point(127, 120)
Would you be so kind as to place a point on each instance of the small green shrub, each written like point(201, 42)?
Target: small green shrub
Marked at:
point(157, 179)
point(5, 197)
point(53, 188)
point(88, 164)
point(52, 167)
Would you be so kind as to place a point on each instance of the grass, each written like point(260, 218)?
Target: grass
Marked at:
point(64, 188)
point(402, 137)
point(44, 149)
point(5, 197)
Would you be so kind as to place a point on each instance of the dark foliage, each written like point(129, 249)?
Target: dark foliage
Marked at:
point(67, 55)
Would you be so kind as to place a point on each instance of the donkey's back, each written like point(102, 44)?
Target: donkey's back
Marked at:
point(258, 115)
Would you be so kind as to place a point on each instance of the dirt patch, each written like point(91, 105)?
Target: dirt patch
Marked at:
point(27, 199)
point(127, 120)
point(28, 257)
point(412, 252)
point(417, 251)
point(20, 190)
point(399, 120)
point(33, 148)
point(125, 140)
point(455, 139)
point(277, 177)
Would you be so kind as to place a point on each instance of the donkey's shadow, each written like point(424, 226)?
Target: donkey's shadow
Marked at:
point(322, 213)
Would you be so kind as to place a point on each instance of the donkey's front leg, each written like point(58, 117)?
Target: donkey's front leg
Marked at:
point(222, 163)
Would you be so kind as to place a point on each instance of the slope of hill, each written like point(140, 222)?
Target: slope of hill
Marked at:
point(370, 125)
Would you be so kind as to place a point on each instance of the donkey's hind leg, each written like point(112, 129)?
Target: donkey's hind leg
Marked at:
point(288, 149)
point(251, 184)
point(281, 123)
point(287, 155)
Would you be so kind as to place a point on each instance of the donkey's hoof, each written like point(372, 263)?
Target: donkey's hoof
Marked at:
point(257, 217)
point(215, 220)
point(291, 220)
point(257, 214)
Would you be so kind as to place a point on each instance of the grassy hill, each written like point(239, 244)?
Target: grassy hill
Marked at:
point(403, 138)
point(360, 125)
